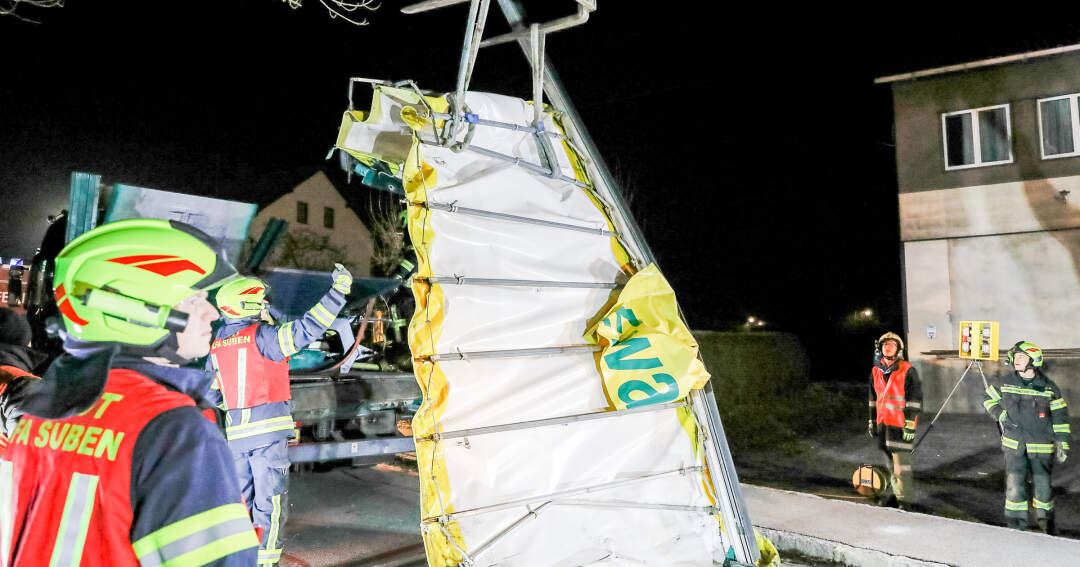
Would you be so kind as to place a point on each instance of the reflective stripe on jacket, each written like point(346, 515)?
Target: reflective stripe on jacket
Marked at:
point(1032, 412)
point(259, 426)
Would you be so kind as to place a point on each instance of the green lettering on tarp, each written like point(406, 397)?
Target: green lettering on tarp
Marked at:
point(617, 358)
point(620, 314)
point(652, 396)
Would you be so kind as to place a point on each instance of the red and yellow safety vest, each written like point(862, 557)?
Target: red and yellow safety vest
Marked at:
point(246, 377)
point(891, 400)
point(71, 503)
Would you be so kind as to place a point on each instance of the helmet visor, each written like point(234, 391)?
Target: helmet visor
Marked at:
point(223, 273)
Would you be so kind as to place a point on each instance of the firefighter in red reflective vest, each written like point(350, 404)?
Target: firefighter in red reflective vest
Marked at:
point(112, 463)
point(250, 357)
point(895, 403)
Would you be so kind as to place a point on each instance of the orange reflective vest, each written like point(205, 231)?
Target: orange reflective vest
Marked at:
point(891, 400)
point(246, 377)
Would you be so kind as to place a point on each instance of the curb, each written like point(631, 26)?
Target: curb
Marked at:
point(839, 552)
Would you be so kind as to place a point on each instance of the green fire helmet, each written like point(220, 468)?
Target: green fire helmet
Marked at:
point(891, 336)
point(1033, 352)
point(118, 282)
point(241, 298)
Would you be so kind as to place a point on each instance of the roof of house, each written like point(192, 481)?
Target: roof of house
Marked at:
point(1000, 60)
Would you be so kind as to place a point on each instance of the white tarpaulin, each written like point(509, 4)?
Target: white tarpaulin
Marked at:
point(523, 459)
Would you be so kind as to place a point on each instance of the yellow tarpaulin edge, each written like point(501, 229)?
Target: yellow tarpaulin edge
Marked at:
point(443, 542)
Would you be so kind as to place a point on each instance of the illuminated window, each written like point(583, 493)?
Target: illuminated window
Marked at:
point(977, 137)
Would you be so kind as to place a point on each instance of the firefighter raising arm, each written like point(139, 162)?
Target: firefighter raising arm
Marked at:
point(278, 342)
point(250, 357)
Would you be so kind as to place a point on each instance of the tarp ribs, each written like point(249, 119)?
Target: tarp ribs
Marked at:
point(454, 208)
point(462, 280)
point(473, 118)
point(510, 353)
point(526, 165)
point(565, 493)
point(531, 514)
point(577, 418)
point(710, 510)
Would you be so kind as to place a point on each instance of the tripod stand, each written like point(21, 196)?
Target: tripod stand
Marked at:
point(973, 363)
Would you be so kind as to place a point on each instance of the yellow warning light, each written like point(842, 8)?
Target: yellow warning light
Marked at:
point(979, 340)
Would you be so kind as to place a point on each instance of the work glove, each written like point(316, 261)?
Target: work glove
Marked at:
point(1061, 451)
point(870, 429)
point(1008, 423)
point(342, 279)
point(909, 431)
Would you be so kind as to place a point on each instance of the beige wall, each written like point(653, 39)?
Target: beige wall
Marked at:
point(1020, 206)
point(348, 233)
point(1028, 282)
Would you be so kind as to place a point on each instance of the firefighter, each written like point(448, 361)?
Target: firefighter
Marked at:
point(250, 356)
point(895, 401)
point(1035, 423)
point(112, 463)
point(17, 366)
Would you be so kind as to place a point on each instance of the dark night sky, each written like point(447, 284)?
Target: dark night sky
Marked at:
point(757, 152)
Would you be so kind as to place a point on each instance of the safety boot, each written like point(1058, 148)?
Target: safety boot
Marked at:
point(1018, 523)
point(1046, 526)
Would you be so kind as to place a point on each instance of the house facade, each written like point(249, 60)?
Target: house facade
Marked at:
point(322, 229)
point(988, 170)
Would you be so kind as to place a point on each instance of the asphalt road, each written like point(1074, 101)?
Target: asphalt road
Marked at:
point(958, 470)
point(368, 515)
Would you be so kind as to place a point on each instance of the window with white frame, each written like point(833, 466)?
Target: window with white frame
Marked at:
point(1059, 126)
point(977, 137)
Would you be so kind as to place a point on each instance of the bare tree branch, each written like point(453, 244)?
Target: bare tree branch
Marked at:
point(305, 250)
point(339, 8)
point(8, 7)
point(388, 238)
